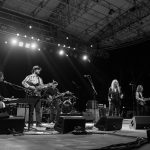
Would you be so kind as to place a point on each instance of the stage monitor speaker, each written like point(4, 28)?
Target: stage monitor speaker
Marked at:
point(67, 124)
point(109, 123)
point(12, 125)
point(140, 122)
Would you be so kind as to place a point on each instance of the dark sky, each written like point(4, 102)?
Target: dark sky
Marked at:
point(128, 65)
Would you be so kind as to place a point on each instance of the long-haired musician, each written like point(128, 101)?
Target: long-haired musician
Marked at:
point(31, 82)
point(114, 97)
point(141, 106)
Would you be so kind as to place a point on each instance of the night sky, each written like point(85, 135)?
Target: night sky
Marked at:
point(130, 65)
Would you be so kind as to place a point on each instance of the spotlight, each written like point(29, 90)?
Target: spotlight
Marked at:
point(25, 36)
point(14, 41)
point(30, 27)
point(20, 44)
point(84, 57)
point(61, 52)
point(64, 46)
point(32, 37)
point(58, 44)
point(67, 38)
point(39, 49)
point(38, 39)
point(18, 34)
point(74, 48)
point(27, 45)
point(33, 45)
point(91, 46)
point(6, 42)
point(68, 46)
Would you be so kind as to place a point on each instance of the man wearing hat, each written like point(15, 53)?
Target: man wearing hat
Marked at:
point(31, 82)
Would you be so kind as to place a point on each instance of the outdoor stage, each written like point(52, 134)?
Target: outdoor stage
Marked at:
point(40, 138)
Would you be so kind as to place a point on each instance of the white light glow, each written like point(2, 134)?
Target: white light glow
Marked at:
point(84, 57)
point(61, 52)
point(33, 45)
point(21, 44)
point(14, 41)
point(27, 45)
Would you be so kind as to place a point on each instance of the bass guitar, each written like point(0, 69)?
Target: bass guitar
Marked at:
point(143, 101)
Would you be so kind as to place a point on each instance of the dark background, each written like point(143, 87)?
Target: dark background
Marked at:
point(129, 65)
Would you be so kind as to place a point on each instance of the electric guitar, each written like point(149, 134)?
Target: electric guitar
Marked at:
point(143, 102)
point(38, 89)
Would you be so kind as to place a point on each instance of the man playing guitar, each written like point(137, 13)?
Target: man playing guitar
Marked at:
point(142, 108)
point(34, 85)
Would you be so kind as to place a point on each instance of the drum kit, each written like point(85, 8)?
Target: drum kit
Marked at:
point(64, 101)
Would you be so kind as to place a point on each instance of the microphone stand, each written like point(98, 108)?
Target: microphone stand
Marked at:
point(14, 85)
point(133, 98)
point(94, 95)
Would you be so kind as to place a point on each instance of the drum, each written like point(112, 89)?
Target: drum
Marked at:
point(67, 106)
point(2, 105)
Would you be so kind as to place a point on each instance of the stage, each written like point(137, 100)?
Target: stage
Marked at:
point(47, 138)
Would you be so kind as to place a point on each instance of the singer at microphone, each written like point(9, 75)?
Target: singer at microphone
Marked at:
point(86, 75)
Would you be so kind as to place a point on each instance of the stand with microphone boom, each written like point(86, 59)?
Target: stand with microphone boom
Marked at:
point(94, 94)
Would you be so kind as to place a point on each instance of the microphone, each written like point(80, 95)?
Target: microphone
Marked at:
point(86, 76)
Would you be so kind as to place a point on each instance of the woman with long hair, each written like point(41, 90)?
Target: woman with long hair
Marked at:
point(114, 97)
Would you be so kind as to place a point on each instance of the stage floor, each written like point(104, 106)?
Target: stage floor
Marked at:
point(40, 138)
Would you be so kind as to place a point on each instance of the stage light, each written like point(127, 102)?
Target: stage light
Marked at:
point(68, 46)
point(58, 44)
point(61, 52)
point(64, 45)
point(74, 48)
point(67, 55)
point(67, 38)
point(27, 45)
point(18, 34)
point(39, 49)
point(38, 39)
point(25, 36)
point(32, 37)
point(91, 46)
point(30, 27)
point(14, 41)
point(33, 45)
point(6, 42)
point(86, 58)
point(21, 44)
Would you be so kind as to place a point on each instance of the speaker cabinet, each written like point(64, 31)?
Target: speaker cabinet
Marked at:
point(109, 123)
point(140, 122)
point(67, 124)
point(12, 125)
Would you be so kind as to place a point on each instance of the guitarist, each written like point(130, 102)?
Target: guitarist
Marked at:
point(31, 82)
point(142, 109)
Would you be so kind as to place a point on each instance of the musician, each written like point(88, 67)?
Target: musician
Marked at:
point(142, 108)
point(31, 82)
point(114, 97)
point(55, 100)
point(2, 90)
